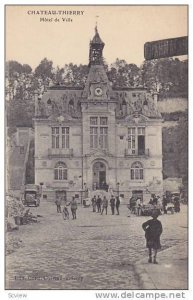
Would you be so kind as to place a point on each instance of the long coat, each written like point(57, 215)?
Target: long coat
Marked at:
point(105, 202)
point(153, 230)
point(73, 205)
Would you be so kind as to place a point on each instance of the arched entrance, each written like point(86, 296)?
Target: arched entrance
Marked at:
point(99, 175)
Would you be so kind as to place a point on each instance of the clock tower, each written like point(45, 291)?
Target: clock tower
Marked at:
point(98, 111)
point(97, 87)
point(96, 49)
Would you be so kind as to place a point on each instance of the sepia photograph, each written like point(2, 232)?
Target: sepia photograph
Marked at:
point(96, 148)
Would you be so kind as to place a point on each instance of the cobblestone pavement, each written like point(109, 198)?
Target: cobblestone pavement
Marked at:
point(91, 252)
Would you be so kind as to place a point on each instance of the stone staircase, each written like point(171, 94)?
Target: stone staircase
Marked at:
point(102, 193)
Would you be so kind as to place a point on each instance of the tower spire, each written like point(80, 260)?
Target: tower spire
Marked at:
point(96, 29)
point(96, 49)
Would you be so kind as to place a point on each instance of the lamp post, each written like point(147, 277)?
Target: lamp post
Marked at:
point(118, 188)
point(85, 190)
point(41, 184)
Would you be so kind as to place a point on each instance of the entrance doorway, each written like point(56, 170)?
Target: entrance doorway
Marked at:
point(61, 194)
point(99, 176)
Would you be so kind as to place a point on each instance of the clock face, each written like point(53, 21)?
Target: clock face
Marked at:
point(98, 91)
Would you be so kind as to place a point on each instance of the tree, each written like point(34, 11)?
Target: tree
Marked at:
point(123, 74)
point(169, 75)
point(13, 68)
point(72, 74)
point(45, 69)
point(59, 75)
point(27, 69)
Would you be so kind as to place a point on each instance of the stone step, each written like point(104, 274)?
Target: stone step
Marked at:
point(102, 193)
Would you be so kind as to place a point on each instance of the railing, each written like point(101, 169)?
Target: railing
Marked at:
point(136, 152)
point(55, 152)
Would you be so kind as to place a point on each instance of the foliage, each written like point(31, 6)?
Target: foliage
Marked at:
point(167, 75)
point(175, 149)
point(71, 75)
point(44, 69)
point(122, 74)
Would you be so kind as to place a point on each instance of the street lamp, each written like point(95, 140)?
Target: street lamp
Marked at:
point(85, 190)
point(41, 184)
point(118, 188)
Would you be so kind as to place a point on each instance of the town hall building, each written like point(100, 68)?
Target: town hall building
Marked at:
point(98, 137)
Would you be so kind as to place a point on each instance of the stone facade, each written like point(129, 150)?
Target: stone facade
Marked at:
point(98, 137)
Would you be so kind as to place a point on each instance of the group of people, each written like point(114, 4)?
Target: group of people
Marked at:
point(165, 202)
point(153, 227)
point(100, 205)
point(175, 200)
point(73, 205)
point(164, 205)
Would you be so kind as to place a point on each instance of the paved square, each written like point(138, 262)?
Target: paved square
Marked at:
point(92, 252)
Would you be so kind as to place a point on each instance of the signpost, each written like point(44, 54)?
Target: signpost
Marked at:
point(166, 48)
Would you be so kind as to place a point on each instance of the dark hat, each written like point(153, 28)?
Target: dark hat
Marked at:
point(155, 213)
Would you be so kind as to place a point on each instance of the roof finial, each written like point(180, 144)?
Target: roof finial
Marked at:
point(96, 30)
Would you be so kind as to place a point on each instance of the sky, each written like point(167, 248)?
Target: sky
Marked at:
point(124, 30)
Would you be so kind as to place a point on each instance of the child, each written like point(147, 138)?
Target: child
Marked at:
point(153, 230)
point(65, 212)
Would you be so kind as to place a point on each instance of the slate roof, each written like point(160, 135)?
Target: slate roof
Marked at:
point(96, 39)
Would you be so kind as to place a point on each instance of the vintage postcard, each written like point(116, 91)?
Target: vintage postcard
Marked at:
point(96, 148)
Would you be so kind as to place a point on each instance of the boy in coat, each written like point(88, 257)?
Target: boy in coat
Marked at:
point(153, 230)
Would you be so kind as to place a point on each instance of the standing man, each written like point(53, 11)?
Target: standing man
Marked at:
point(155, 199)
point(73, 205)
point(58, 205)
point(138, 206)
point(94, 203)
point(117, 205)
point(104, 205)
point(112, 202)
point(165, 203)
point(177, 204)
point(98, 202)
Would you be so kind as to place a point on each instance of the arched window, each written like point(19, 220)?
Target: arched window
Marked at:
point(71, 106)
point(60, 171)
point(136, 171)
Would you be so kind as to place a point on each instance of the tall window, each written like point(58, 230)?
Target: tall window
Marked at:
point(55, 137)
point(141, 140)
point(99, 132)
point(65, 137)
point(60, 171)
point(136, 171)
point(60, 137)
point(131, 139)
point(93, 137)
point(103, 139)
point(136, 140)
